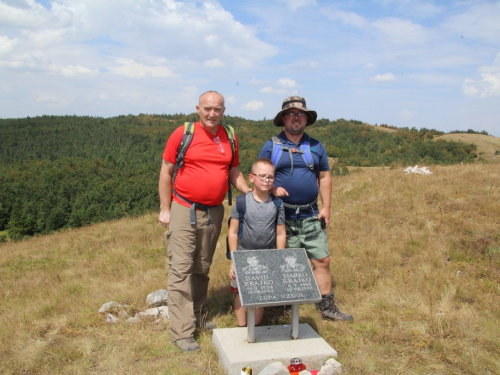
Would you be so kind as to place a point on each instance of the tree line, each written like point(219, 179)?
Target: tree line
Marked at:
point(69, 171)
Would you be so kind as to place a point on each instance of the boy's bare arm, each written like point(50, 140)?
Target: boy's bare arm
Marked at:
point(232, 240)
point(280, 236)
point(234, 227)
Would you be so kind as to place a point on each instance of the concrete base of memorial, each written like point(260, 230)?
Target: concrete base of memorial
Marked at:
point(272, 344)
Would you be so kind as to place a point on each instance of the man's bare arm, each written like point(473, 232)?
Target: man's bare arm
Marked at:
point(325, 193)
point(165, 191)
point(238, 180)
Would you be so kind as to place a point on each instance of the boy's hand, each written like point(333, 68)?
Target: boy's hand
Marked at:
point(231, 272)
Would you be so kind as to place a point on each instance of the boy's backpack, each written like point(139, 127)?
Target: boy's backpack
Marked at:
point(183, 146)
point(305, 150)
point(241, 207)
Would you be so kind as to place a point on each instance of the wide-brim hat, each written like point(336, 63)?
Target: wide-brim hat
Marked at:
point(296, 102)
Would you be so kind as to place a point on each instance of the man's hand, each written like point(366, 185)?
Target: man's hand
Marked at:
point(325, 214)
point(279, 192)
point(164, 218)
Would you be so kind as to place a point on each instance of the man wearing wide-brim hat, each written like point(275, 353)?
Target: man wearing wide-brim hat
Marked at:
point(303, 172)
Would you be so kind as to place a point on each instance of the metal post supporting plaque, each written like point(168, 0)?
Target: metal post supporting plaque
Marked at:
point(251, 324)
point(295, 322)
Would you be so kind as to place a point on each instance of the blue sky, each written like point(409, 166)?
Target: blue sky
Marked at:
point(406, 63)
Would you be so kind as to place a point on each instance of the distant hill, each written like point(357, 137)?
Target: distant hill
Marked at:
point(488, 146)
point(70, 171)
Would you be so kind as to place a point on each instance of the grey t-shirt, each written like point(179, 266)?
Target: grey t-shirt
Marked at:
point(259, 224)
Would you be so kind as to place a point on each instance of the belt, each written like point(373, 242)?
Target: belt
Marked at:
point(195, 206)
point(298, 207)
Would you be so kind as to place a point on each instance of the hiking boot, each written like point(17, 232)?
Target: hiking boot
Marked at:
point(207, 325)
point(187, 345)
point(329, 310)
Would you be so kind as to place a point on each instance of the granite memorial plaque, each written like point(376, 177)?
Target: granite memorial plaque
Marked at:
point(274, 277)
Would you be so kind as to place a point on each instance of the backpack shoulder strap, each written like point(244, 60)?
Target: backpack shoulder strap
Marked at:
point(230, 135)
point(183, 146)
point(241, 207)
point(185, 142)
point(278, 202)
point(232, 141)
point(277, 150)
point(306, 154)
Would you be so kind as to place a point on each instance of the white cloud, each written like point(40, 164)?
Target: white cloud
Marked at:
point(130, 68)
point(283, 86)
point(487, 86)
point(268, 89)
point(52, 98)
point(487, 83)
point(480, 22)
point(349, 18)
point(387, 77)
point(414, 8)
point(253, 105)
point(77, 70)
point(310, 65)
point(296, 4)
point(214, 63)
point(400, 31)
point(22, 14)
point(7, 44)
point(142, 30)
point(287, 82)
point(255, 82)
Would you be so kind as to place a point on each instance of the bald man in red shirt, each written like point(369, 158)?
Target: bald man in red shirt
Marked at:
point(190, 247)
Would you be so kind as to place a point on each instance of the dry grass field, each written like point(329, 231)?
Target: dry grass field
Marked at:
point(415, 259)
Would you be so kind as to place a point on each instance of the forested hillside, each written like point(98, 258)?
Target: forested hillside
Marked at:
point(69, 171)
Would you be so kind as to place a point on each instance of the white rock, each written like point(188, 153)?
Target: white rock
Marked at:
point(123, 314)
point(110, 318)
point(417, 170)
point(164, 312)
point(157, 298)
point(109, 305)
point(136, 319)
point(155, 312)
point(331, 367)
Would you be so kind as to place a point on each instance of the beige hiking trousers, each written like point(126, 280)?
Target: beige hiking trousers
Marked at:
point(190, 249)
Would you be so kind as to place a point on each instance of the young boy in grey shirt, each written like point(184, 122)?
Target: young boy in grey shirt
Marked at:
point(263, 226)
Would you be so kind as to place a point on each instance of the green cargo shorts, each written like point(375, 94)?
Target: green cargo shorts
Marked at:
point(307, 234)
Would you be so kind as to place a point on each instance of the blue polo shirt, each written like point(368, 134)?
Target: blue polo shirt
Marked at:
point(302, 185)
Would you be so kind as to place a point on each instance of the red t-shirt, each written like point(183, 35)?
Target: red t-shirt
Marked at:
point(203, 178)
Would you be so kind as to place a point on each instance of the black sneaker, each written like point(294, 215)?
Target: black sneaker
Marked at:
point(329, 310)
